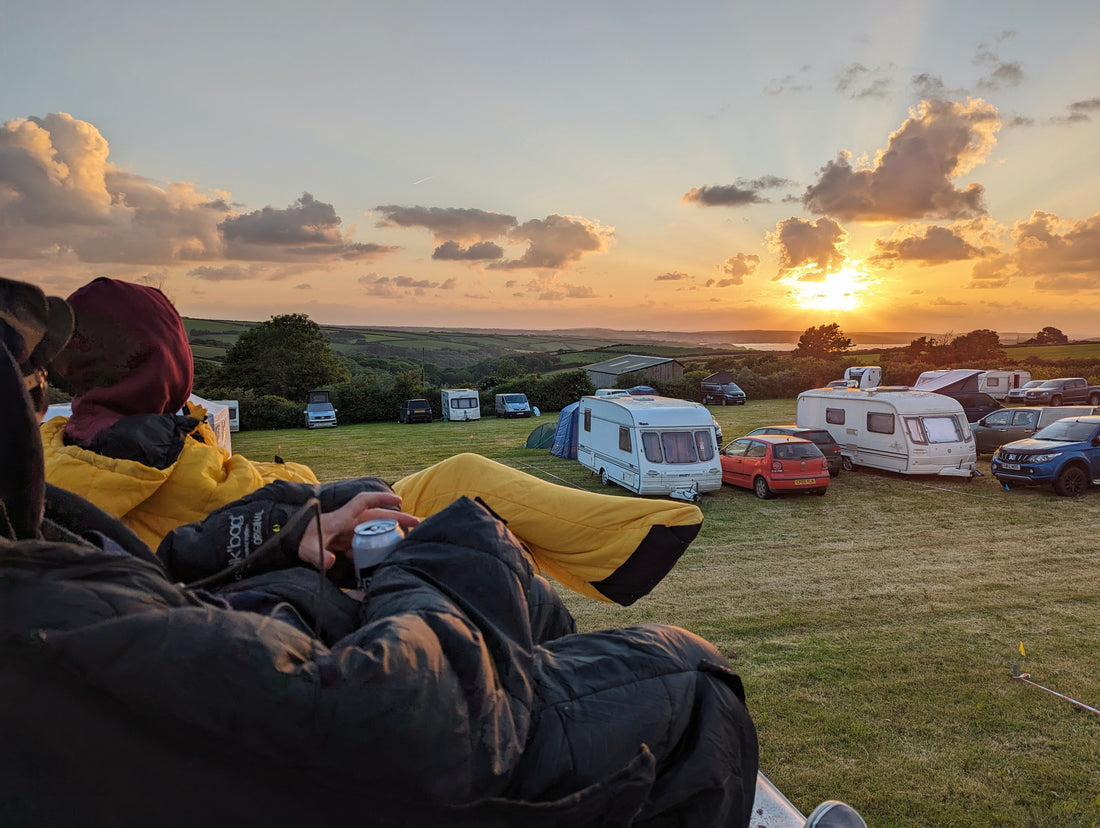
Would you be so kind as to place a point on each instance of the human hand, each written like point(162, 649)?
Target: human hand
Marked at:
point(337, 526)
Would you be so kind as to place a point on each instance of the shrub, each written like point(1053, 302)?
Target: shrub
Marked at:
point(270, 411)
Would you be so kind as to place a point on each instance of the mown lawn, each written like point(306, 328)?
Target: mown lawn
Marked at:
point(876, 629)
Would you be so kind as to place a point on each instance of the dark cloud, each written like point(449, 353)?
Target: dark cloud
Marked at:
point(743, 191)
point(911, 178)
point(458, 224)
point(737, 267)
point(453, 251)
point(1079, 112)
point(556, 241)
point(924, 246)
point(225, 273)
point(671, 277)
point(396, 287)
point(1000, 73)
point(810, 247)
point(857, 81)
point(307, 221)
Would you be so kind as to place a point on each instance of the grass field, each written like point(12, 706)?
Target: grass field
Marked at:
point(875, 628)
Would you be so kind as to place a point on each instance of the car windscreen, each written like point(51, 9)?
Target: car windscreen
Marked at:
point(1067, 431)
point(515, 398)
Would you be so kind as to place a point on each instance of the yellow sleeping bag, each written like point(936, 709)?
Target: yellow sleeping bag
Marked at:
point(604, 546)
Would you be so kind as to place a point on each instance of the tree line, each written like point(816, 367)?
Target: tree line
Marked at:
point(273, 365)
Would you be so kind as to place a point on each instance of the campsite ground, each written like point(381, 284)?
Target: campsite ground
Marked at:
point(876, 628)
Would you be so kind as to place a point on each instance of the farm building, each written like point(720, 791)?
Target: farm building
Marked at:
point(606, 374)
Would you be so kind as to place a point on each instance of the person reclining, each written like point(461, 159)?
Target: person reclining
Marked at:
point(444, 704)
point(129, 367)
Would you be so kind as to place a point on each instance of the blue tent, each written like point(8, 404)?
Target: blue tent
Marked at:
point(565, 435)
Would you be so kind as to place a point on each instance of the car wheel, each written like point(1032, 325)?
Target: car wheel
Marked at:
point(1055, 400)
point(1094, 399)
point(604, 479)
point(723, 400)
point(820, 492)
point(1071, 481)
point(761, 489)
point(847, 464)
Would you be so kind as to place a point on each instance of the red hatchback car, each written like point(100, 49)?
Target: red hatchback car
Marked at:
point(769, 463)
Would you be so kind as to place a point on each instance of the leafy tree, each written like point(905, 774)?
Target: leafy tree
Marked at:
point(285, 356)
point(1050, 336)
point(978, 346)
point(822, 341)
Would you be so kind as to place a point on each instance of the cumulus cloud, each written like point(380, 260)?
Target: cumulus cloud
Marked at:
point(743, 191)
point(810, 249)
point(911, 178)
point(60, 196)
point(457, 224)
point(480, 251)
point(923, 246)
point(736, 268)
point(557, 241)
point(1062, 255)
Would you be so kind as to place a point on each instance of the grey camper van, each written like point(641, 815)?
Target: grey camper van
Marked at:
point(319, 412)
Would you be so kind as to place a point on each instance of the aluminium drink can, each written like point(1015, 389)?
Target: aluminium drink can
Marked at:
point(371, 543)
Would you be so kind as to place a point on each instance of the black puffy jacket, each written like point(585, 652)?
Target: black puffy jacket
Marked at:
point(443, 706)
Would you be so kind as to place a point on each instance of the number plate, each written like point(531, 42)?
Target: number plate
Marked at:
point(806, 482)
point(1011, 466)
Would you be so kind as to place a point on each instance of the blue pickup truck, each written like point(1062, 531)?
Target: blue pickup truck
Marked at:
point(1065, 454)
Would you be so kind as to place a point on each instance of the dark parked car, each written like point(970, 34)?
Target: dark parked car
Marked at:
point(415, 411)
point(1065, 454)
point(769, 463)
point(975, 403)
point(818, 436)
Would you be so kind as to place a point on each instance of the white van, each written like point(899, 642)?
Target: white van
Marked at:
point(893, 428)
point(461, 404)
point(511, 405)
point(234, 416)
point(649, 445)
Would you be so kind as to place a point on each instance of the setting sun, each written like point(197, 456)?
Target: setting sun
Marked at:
point(843, 290)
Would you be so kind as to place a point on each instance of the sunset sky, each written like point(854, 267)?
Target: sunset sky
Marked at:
point(913, 166)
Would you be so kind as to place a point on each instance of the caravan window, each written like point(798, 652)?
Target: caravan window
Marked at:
point(465, 402)
point(679, 447)
point(880, 422)
point(588, 419)
point(942, 429)
point(834, 416)
point(704, 447)
point(651, 444)
point(624, 439)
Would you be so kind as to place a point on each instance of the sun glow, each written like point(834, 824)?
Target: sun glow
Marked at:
point(843, 290)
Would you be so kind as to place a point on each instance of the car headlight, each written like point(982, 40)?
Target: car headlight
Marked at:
point(1043, 458)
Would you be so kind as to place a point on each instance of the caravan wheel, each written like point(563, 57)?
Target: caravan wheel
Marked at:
point(604, 479)
point(847, 464)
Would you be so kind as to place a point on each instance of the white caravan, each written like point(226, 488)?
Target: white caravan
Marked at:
point(893, 428)
point(649, 445)
point(997, 384)
point(863, 376)
point(461, 404)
